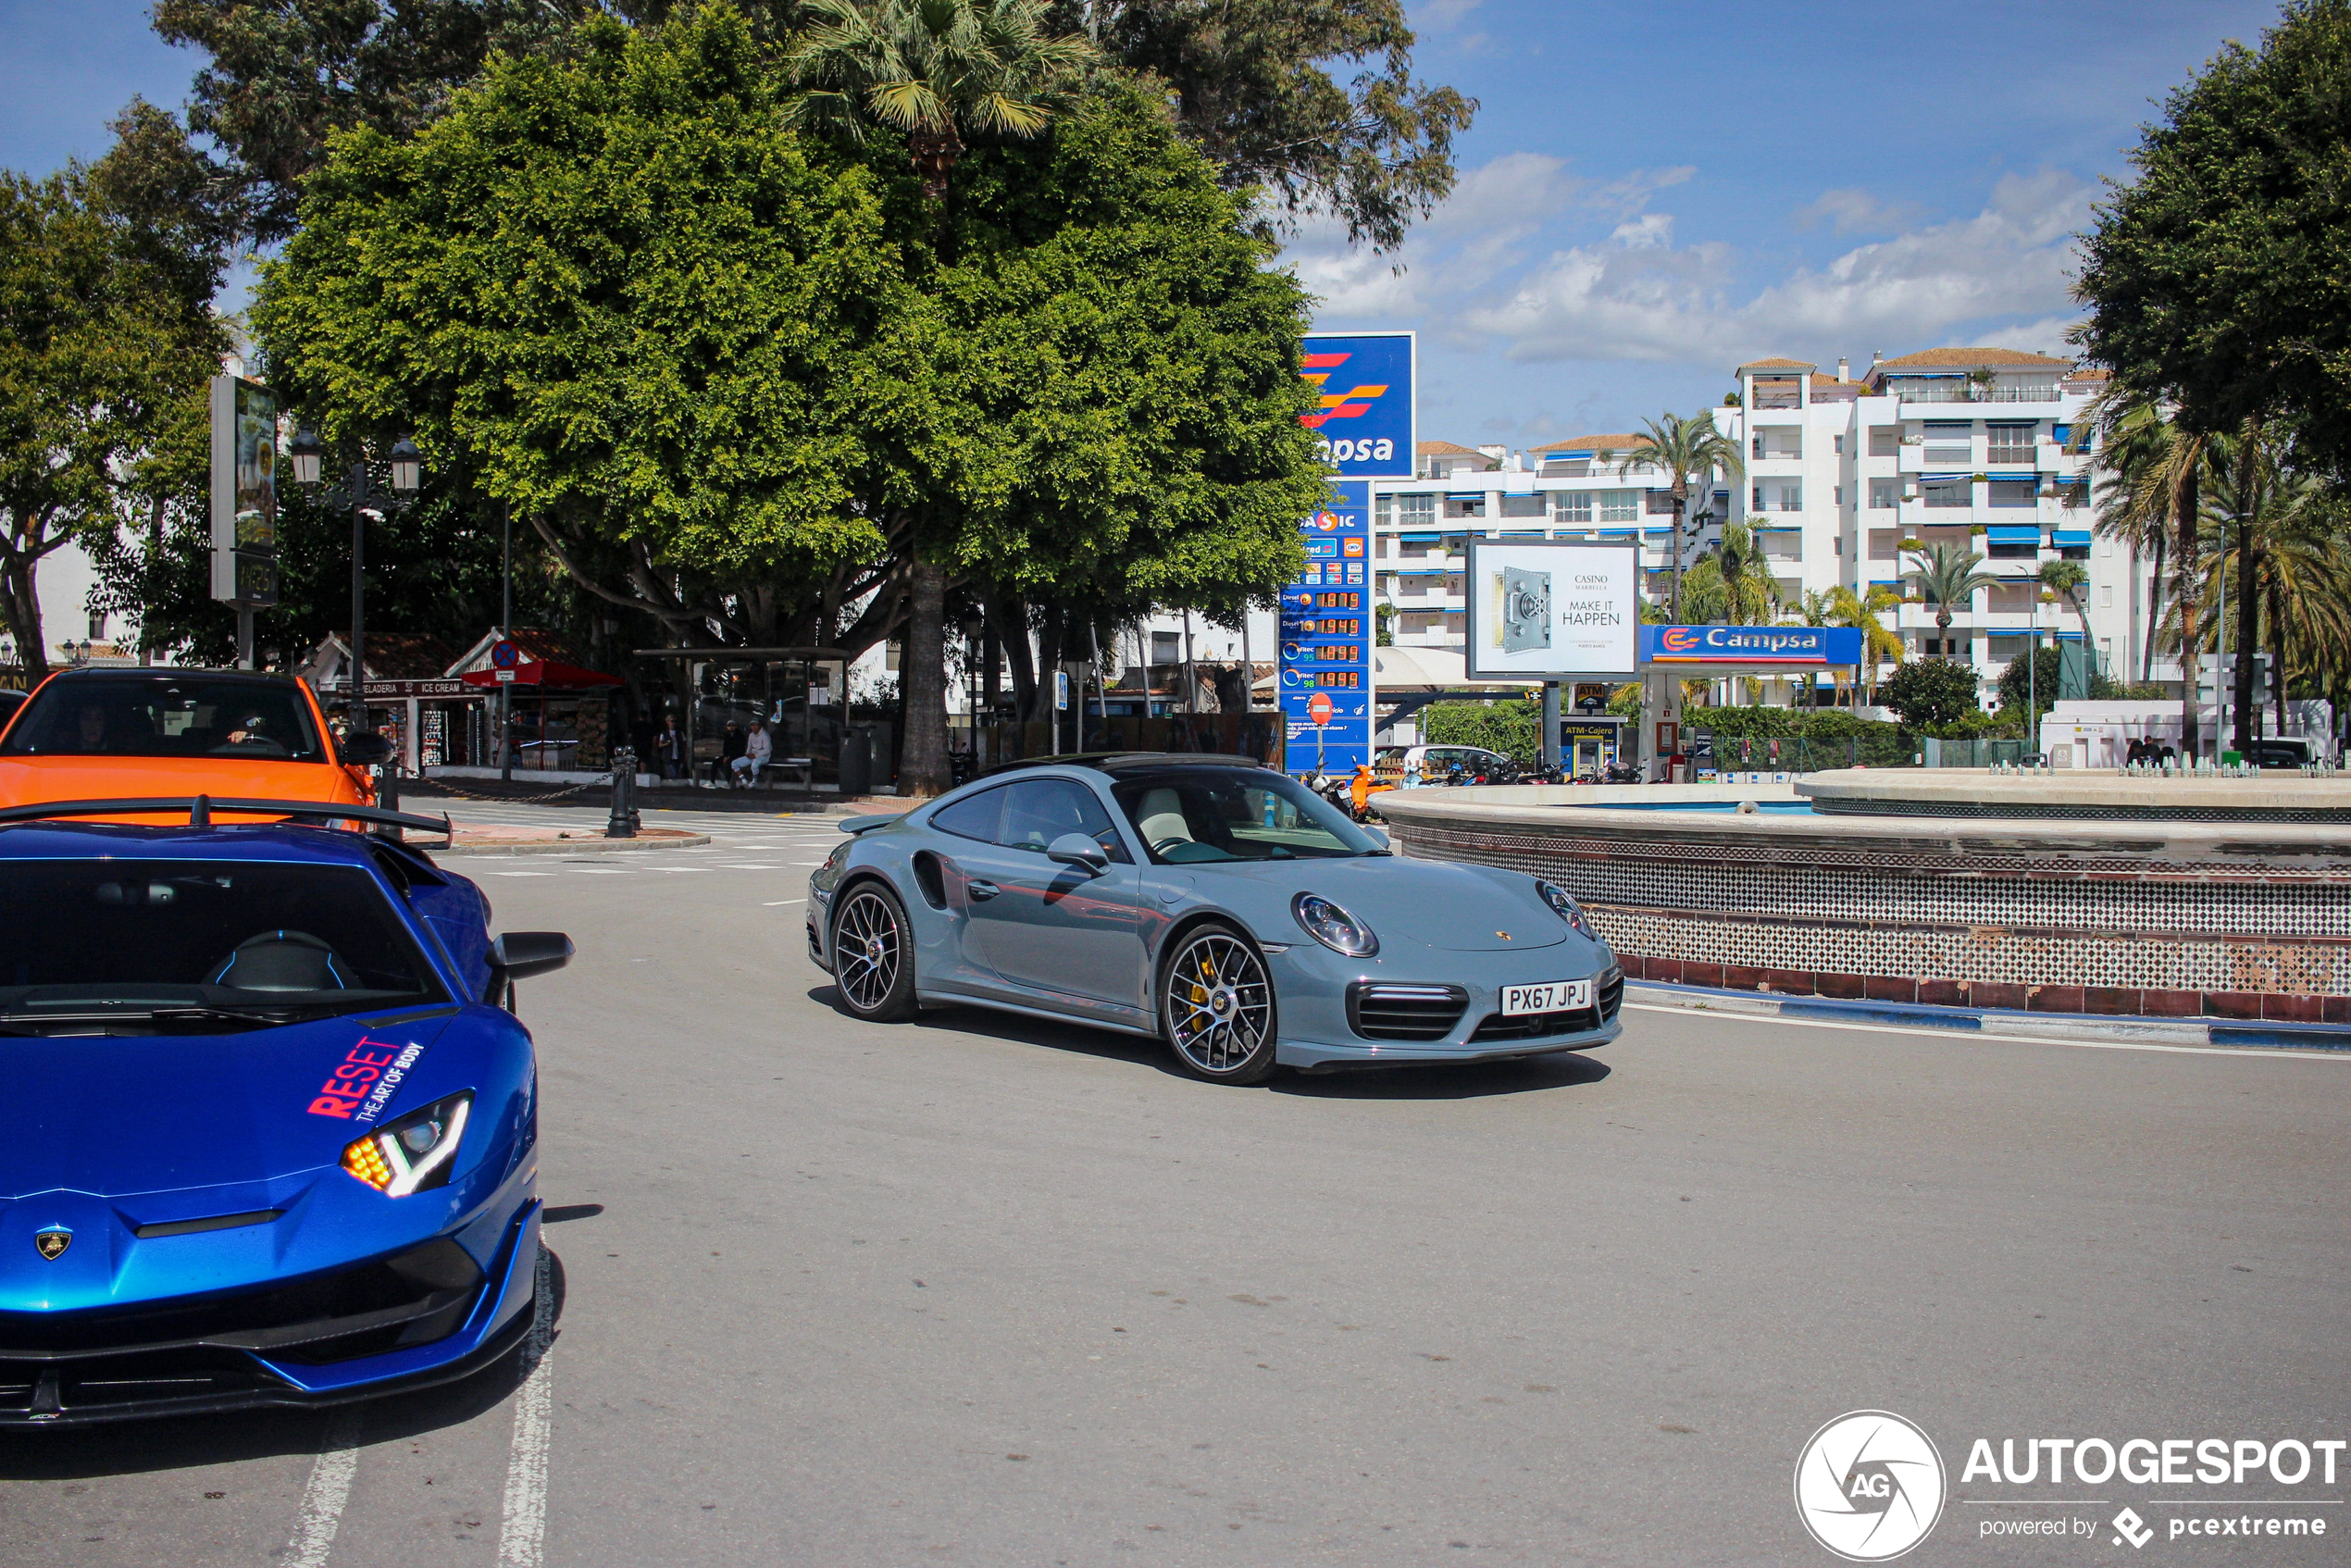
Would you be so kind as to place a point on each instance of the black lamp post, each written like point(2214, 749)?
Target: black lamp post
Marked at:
point(359, 493)
point(975, 631)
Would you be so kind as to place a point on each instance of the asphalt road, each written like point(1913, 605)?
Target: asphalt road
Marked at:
point(982, 1291)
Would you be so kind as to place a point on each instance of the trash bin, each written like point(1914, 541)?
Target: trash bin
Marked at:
point(857, 760)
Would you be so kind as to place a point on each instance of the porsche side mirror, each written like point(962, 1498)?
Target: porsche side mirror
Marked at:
point(1378, 836)
point(1076, 848)
point(518, 956)
point(365, 748)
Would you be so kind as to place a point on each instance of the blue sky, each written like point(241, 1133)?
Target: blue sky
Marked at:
point(1652, 193)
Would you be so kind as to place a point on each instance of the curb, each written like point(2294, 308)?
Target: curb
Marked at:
point(1986, 1020)
point(586, 844)
point(714, 801)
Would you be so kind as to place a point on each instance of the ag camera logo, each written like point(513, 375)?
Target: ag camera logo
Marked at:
point(1870, 1486)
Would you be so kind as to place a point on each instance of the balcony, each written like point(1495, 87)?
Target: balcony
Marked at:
point(1958, 390)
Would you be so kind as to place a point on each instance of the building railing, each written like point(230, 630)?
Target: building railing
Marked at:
point(1968, 391)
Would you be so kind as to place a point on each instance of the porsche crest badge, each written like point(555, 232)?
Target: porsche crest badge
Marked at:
point(52, 1243)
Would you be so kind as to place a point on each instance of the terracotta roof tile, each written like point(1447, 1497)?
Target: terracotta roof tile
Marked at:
point(1968, 359)
point(1777, 365)
point(1445, 449)
point(1622, 441)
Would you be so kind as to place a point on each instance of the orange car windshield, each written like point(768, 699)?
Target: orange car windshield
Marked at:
point(165, 713)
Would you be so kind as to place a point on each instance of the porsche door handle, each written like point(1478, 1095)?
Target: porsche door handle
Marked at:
point(982, 892)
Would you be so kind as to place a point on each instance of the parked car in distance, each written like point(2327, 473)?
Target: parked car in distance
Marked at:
point(154, 733)
point(1216, 903)
point(273, 1123)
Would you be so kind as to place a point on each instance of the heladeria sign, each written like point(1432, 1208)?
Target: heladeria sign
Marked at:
point(1544, 609)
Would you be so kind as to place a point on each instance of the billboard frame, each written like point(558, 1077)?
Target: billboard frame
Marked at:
point(1475, 613)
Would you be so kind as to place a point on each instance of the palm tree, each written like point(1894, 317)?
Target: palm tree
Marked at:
point(1880, 642)
point(1730, 585)
point(938, 70)
point(1946, 576)
point(1681, 450)
point(2159, 469)
point(2066, 579)
point(935, 69)
point(2129, 510)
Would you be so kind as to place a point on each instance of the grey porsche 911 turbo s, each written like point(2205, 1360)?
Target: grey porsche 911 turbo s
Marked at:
point(1213, 904)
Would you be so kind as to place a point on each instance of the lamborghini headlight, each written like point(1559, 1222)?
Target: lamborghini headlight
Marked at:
point(1564, 904)
point(414, 1153)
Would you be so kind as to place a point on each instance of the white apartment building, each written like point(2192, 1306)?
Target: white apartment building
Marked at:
point(1966, 447)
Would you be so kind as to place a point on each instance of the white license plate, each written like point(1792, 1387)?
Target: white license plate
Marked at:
point(1559, 996)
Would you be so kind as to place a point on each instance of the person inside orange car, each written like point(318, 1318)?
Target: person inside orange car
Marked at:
point(124, 734)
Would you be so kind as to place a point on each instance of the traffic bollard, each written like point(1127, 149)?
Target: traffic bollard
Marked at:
point(623, 821)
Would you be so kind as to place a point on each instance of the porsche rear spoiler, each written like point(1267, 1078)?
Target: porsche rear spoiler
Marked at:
point(868, 823)
point(198, 809)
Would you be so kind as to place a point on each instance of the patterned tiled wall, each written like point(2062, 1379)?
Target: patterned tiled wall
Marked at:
point(2101, 925)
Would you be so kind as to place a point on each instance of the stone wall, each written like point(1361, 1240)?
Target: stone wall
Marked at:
point(2135, 918)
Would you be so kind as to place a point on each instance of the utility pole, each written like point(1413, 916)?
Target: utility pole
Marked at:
point(507, 631)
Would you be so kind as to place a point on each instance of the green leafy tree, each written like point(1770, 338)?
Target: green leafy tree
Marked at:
point(1252, 88)
point(1927, 693)
point(281, 77)
point(940, 71)
point(1122, 366)
point(2214, 280)
point(105, 339)
point(2035, 681)
point(630, 302)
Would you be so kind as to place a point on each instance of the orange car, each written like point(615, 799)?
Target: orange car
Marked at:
point(118, 734)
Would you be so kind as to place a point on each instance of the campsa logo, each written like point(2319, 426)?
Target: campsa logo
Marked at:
point(1869, 1486)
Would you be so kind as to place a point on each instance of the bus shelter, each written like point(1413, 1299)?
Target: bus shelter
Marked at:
point(1670, 654)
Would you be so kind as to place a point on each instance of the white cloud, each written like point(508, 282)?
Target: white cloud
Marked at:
point(1855, 211)
point(1648, 231)
point(1640, 297)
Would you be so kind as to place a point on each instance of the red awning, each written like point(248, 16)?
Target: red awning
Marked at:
point(546, 675)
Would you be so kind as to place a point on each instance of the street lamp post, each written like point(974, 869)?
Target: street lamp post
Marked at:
point(359, 491)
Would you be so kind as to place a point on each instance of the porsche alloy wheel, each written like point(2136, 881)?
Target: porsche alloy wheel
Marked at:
point(1216, 1006)
point(873, 955)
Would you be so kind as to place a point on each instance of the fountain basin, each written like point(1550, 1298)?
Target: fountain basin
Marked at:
point(2167, 916)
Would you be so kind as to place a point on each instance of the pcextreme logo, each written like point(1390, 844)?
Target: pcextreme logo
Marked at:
point(1352, 404)
point(1869, 1486)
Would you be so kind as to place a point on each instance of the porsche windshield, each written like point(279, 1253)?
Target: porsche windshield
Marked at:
point(166, 714)
point(1191, 816)
point(98, 946)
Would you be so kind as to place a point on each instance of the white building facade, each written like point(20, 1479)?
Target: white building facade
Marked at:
point(1966, 447)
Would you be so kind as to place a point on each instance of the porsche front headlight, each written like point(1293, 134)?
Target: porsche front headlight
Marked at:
point(1564, 904)
point(1333, 926)
point(414, 1153)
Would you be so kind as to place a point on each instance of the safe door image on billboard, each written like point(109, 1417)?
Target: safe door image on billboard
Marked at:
point(1525, 613)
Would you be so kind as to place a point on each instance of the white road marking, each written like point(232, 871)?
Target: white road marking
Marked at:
point(2011, 1039)
point(522, 1532)
point(778, 904)
point(329, 1490)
